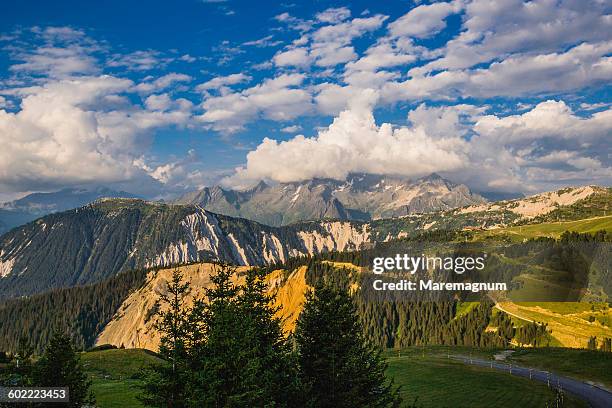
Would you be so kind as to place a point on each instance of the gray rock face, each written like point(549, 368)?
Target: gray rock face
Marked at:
point(94, 242)
point(360, 197)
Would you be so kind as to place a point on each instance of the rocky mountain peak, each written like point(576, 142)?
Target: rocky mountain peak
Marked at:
point(361, 196)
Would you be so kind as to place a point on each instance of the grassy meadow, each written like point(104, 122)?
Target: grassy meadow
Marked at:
point(426, 373)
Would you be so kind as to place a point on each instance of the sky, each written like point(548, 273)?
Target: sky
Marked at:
point(159, 98)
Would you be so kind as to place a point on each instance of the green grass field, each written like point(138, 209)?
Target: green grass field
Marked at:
point(581, 364)
point(570, 329)
point(116, 393)
point(440, 382)
point(568, 308)
point(115, 375)
point(426, 373)
point(550, 229)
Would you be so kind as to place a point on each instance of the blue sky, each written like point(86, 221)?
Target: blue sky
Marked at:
point(159, 98)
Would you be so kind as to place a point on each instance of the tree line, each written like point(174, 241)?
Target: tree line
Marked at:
point(228, 349)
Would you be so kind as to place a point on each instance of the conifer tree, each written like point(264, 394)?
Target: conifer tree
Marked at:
point(164, 383)
point(243, 359)
point(337, 367)
point(60, 366)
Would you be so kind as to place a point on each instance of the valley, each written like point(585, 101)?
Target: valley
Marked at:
point(103, 267)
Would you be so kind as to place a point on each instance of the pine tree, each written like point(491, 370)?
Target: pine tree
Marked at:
point(243, 358)
point(164, 384)
point(60, 366)
point(337, 366)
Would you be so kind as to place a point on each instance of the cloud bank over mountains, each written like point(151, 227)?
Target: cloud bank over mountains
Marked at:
point(480, 149)
point(504, 96)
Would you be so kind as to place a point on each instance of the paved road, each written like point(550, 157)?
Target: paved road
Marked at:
point(595, 396)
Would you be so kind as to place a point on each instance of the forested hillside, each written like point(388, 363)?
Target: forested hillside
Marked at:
point(389, 320)
point(97, 241)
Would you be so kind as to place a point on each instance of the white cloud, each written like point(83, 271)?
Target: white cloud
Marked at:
point(333, 15)
point(60, 136)
point(158, 102)
point(223, 81)
point(424, 21)
point(57, 62)
point(294, 23)
point(498, 153)
point(443, 121)
point(494, 30)
point(283, 17)
point(593, 106)
point(266, 41)
point(187, 58)
point(297, 57)
point(329, 45)
point(64, 34)
point(581, 66)
point(162, 82)
point(139, 60)
point(352, 143)
point(291, 129)
point(331, 54)
point(383, 55)
point(344, 33)
point(174, 172)
point(276, 99)
point(547, 119)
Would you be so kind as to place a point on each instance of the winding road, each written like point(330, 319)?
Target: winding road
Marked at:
point(596, 397)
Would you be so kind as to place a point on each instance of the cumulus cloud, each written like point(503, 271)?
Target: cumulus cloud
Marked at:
point(501, 52)
point(384, 54)
point(162, 82)
point(494, 30)
point(297, 57)
point(425, 20)
point(59, 137)
point(330, 44)
point(223, 81)
point(333, 15)
point(497, 153)
point(542, 148)
point(352, 143)
point(277, 99)
point(547, 119)
point(581, 66)
point(291, 129)
point(441, 121)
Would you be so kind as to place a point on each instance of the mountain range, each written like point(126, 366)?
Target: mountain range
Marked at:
point(360, 197)
point(101, 239)
point(36, 205)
